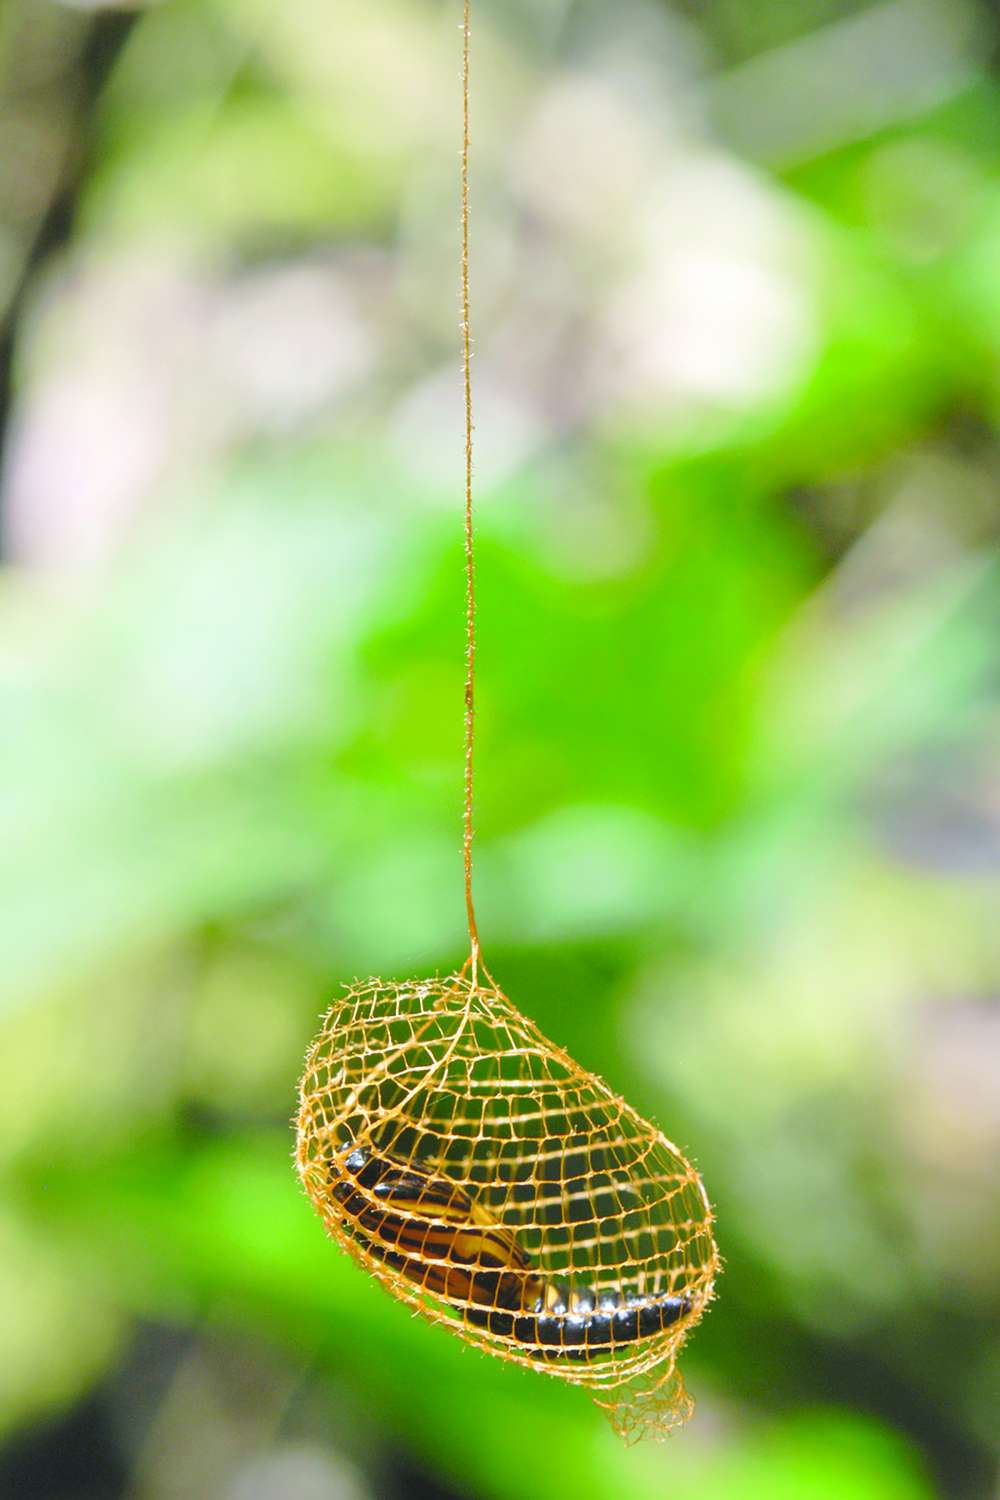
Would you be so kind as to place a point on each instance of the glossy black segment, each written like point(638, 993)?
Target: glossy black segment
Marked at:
point(547, 1330)
point(625, 1325)
point(366, 1170)
point(600, 1329)
point(510, 1293)
point(576, 1332)
point(660, 1314)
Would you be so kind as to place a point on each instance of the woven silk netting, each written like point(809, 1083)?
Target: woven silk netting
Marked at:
point(483, 1177)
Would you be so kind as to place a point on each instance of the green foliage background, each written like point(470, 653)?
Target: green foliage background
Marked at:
point(738, 366)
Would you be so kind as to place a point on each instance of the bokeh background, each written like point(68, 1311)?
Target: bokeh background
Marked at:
point(736, 278)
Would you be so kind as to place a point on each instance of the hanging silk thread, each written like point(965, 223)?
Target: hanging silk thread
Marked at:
point(479, 1173)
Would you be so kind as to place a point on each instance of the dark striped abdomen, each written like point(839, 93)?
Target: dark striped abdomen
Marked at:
point(436, 1236)
point(431, 1232)
point(580, 1323)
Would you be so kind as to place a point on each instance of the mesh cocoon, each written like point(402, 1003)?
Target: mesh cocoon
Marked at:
point(498, 1149)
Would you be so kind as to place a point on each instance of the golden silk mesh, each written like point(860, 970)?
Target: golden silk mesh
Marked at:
point(447, 1080)
point(482, 1176)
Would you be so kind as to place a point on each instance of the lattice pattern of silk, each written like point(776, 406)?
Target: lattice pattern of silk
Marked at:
point(483, 1177)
